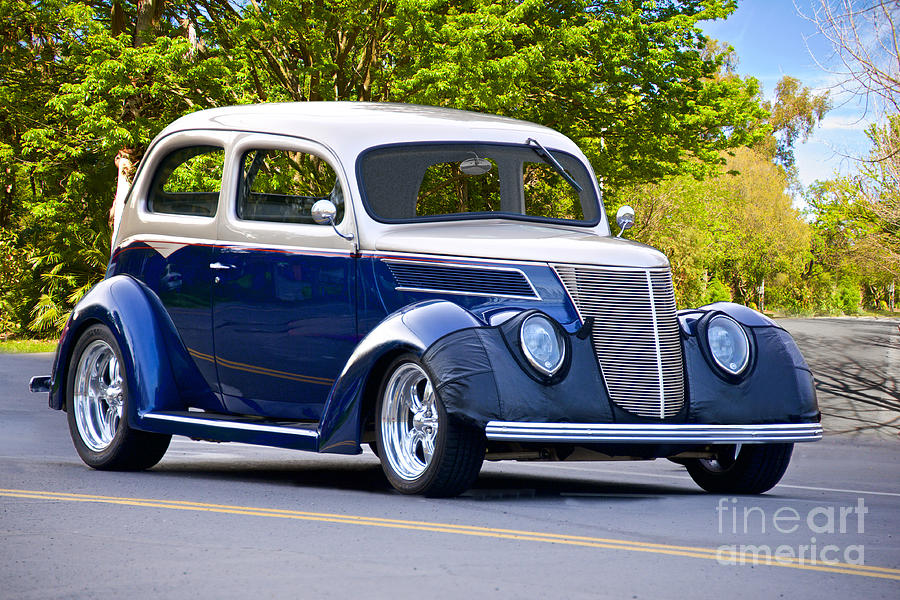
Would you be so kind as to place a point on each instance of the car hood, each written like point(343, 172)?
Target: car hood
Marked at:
point(519, 241)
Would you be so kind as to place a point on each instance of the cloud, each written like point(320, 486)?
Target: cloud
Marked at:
point(844, 122)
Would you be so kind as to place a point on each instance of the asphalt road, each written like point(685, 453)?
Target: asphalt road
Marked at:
point(856, 363)
point(236, 521)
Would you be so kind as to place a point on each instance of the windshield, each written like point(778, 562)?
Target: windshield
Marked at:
point(426, 182)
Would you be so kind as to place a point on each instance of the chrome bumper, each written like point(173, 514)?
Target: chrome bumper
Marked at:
point(688, 433)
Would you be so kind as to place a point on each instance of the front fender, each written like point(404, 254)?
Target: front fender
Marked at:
point(160, 373)
point(778, 388)
point(412, 329)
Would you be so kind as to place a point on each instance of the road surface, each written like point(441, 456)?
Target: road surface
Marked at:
point(237, 521)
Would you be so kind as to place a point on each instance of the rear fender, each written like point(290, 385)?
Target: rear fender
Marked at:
point(160, 373)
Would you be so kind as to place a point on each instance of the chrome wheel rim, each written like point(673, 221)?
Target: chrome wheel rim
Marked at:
point(409, 421)
point(99, 395)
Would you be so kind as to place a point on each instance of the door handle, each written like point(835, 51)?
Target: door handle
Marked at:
point(220, 267)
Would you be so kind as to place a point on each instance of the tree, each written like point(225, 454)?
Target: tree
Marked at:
point(792, 117)
point(633, 82)
point(865, 59)
point(738, 228)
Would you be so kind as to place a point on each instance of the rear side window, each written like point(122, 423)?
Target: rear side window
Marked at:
point(282, 185)
point(188, 182)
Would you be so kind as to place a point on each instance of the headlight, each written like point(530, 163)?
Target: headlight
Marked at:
point(728, 344)
point(542, 345)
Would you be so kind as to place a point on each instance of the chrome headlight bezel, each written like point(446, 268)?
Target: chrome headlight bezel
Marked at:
point(546, 369)
point(721, 322)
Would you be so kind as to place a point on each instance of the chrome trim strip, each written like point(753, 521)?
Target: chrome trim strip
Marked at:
point(451, 259)
point(449, 264)
point(218, 243)
point(659, 370)
point(232, 425)
point(453, 293)
point(688, 433)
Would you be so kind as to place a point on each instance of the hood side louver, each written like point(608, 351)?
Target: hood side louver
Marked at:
point(461, 280)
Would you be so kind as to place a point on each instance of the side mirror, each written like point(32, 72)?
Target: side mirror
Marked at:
point(624, 218)
point(323, 212)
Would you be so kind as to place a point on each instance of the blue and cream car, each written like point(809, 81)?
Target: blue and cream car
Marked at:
point(441, 285)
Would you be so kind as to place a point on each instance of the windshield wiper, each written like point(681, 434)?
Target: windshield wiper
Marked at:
point(545, 154)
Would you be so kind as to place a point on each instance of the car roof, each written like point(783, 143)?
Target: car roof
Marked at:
point(354, 126)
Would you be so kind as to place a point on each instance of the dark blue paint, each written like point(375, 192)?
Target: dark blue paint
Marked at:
point(306, 336)
point(159, 372)
point(554, 300)
point(285, 324)
point(182, 283)
point(412, 329)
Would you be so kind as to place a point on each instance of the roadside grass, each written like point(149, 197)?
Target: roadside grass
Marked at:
point(26, 346)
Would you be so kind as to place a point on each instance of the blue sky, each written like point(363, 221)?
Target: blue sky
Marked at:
point(772, 40)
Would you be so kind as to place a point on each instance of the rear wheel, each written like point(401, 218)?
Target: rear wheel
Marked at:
point(747, 469)
point(98, 401)
point(423, 450)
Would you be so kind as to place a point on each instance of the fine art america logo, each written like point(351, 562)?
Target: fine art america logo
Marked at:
point(820, 525)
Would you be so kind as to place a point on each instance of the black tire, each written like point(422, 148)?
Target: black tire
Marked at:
point(757, 468)
point(106, 442)
point(458, 448)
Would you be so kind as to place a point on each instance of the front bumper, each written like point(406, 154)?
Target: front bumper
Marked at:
point(594, 433)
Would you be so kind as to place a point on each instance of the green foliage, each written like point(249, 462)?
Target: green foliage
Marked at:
point(716, 292)
point(793, 116)
point(738, 228)
point(848, 297)
point(655, 104)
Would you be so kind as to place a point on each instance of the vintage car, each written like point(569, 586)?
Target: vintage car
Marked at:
point(441, 285)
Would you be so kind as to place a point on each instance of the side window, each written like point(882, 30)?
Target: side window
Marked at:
point(188, 182)
point(281, 186)
point(547, 194)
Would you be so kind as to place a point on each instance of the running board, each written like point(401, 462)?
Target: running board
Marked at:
point(620, 433)
point(230, 428)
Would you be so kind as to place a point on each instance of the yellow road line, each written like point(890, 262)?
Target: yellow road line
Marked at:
point(726, 556)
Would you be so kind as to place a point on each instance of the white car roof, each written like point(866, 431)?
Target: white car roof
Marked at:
point(350, 127)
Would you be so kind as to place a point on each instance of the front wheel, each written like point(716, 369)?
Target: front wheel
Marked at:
point(423, 450)
point(748, 469)
point(97, 407)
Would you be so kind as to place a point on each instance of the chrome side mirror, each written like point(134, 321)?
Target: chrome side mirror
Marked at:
point(323, 212)
point(624, 219)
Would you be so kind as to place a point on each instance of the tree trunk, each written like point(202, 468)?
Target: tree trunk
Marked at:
point(117, 18)
point(147, 22)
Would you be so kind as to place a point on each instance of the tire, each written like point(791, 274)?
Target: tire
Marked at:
point(423, 450)
point(97, 405)
point(756, 469)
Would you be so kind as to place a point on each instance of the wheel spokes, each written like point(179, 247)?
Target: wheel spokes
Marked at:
point(409, 421)
point(99, 395)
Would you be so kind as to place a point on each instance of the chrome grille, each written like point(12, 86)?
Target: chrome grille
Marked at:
point(459, 279)
point(635, 334)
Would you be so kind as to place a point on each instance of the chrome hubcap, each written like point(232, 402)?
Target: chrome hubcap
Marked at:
point(99, 395)
point(409, 421)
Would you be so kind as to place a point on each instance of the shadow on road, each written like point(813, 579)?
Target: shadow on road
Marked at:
point(368, 477)
point(856, 364)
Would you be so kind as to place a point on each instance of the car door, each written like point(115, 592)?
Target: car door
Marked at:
point(284, 291)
